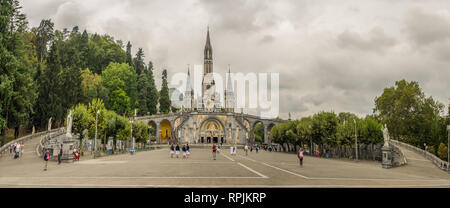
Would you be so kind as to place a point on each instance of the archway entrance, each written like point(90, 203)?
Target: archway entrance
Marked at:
point(152, 131)
point(258, 132)
point(165, 131)
point(211, 131)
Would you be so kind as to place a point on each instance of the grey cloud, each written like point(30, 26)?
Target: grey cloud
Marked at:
point(425, 27)
point(376, 40)
point(328, 55)
point(267, 39)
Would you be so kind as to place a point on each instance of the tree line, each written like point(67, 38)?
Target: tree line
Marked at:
point(46, 71)
point(409, 115)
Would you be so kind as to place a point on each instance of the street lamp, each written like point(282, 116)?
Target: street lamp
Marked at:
point(95, 140)
point(356, 140)
point(448, 147)
point(132, 138)
point(310, 141)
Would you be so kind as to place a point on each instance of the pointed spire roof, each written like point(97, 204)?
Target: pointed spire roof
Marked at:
point(208, 43)
point(188, 81)
point(229, 83)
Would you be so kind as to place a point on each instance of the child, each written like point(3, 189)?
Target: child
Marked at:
point(177, 150)
point(187, 151)
point(184, 151)
point(172, 149)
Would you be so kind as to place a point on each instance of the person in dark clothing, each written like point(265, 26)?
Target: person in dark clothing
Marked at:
point(177, 150)
point(172, 151)
point(60, 152)
point(46, 158)
point(187, 151)
point(183, 149)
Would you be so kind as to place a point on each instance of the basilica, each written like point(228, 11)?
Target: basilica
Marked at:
point(205, 120)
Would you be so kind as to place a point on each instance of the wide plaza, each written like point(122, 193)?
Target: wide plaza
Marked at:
point(263, 169)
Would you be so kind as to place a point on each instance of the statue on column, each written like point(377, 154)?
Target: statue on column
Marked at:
point(49, 124)
point(69, 124)
point(386, 136)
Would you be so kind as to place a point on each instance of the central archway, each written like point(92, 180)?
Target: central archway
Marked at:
point(212, 131)
point(165, 131)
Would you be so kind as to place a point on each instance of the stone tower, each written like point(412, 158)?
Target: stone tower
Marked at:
point(229, 94)
point(209, 97)
point(189, 94)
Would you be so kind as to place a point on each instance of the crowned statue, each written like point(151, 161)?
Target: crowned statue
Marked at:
point(386, 136)
point(69, 125)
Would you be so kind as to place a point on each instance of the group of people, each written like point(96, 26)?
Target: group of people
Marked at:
point(17, 148)
point(176, 150)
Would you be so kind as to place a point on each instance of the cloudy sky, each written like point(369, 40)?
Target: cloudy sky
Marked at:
point(331, 55)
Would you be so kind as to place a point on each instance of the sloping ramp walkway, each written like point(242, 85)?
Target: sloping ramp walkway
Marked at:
point(419, 164)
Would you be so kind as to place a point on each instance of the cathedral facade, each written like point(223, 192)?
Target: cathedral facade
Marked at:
point(205, 120)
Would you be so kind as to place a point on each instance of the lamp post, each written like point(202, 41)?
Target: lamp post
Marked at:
point(448, 147)
point(95, 140)
point(356, 140)
point(310, 141)
point(132, 139)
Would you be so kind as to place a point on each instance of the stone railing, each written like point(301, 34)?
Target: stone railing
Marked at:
point(443, 165)
point(24, 139)
point(40, 146)
point(399, 157)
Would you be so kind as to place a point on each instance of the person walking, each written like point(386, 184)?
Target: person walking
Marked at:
point(184, 151)
point(234, 150)
point(177, 150)
point(214, 151)
point(187, 151)
point(60, 152)
point(218, 149)
point(22, 149)
point(172, 150)
point(300, 156)
point(246, 149)
point(46, 158)
point(10, 149)
point(78, 153)
point(17, 151)
point(256, 148)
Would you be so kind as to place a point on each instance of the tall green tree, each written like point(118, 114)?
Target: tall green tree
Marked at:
point(409, 115)
point(44, 36)
point(164, 100)
point(129, 60)
point(153, 95)
point(118, 77)
point(17, 88)
point(139, 64)
point(143, 91)
point(49, 103)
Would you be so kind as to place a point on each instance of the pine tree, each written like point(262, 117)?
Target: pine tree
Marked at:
point(143, 91)
point(50, 94)
point(139, 64)
point(44, 35)
point(129, 57)
point(164, 100)
point(153, 96)
point(17, 89)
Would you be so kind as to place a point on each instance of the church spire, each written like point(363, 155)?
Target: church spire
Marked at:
point(208, 65)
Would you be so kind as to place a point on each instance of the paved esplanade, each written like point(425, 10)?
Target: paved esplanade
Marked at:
point(265, 169)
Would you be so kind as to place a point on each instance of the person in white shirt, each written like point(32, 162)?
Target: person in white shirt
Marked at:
point(246, 150)
point(300, 156)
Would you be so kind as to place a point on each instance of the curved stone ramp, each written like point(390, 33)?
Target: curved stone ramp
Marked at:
point(22, 164)
point(419, 164)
